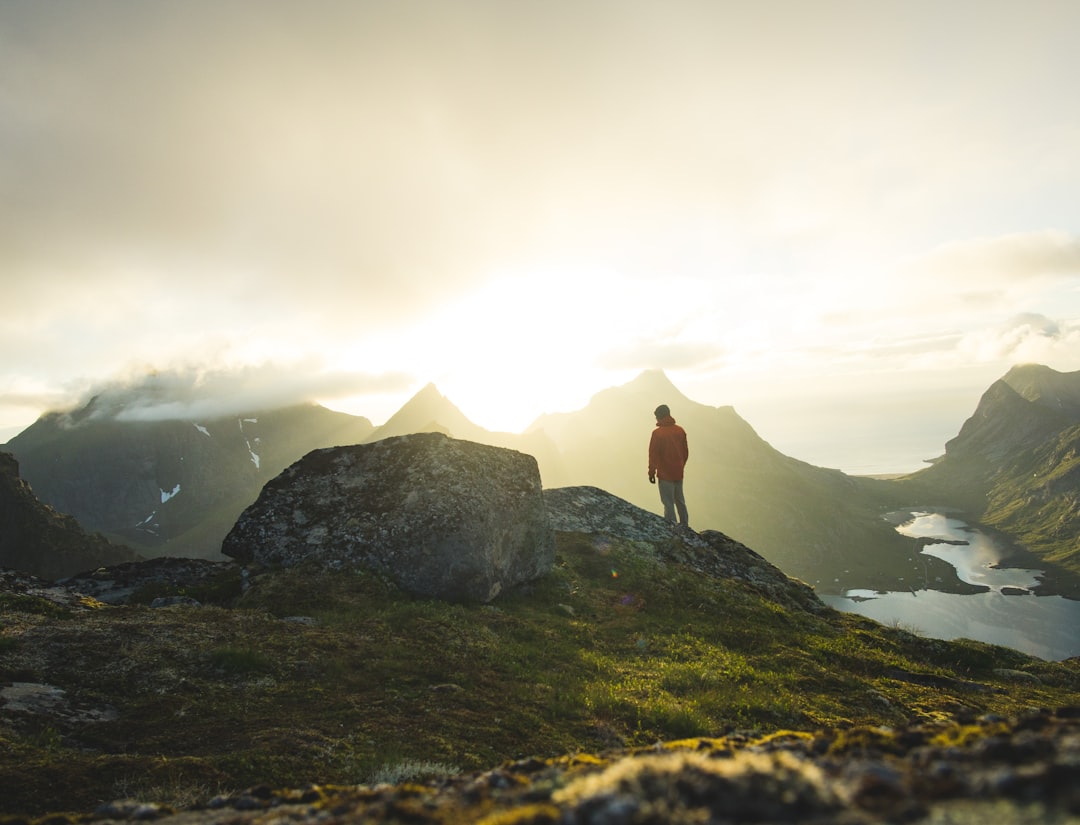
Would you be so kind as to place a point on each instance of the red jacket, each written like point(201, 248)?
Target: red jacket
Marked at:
point(668, 451)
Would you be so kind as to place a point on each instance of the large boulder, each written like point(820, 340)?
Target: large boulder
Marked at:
point(442, 517)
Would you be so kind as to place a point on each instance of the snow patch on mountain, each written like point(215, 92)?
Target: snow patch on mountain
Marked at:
point(254, 455)
point(148, 524)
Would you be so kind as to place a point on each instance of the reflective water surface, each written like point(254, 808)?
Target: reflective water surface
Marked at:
point(1006, 614)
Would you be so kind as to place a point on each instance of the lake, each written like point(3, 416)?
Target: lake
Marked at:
point(1007, 613)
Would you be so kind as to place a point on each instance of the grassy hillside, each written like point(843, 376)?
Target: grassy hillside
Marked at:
point(1032, 498)
point(1014, 467)
point(1037, 500)
point(619, 645)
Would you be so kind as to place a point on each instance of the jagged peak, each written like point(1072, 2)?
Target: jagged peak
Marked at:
point(653, 380)
point(1030, 378)
point(428, 392)
point(651, 387)
point(427, 397)
point(1045, 386)
point(429, 411)
point(1030, 369)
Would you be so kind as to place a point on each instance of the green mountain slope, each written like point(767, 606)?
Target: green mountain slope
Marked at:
point(336, 677)
point(1014, 465)
point(1036, 499)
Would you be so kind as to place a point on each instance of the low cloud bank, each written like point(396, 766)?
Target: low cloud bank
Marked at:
point(193, 393)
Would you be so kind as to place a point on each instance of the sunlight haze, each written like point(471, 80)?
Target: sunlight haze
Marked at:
point(844, 219)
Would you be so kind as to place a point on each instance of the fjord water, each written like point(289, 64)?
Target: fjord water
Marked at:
point(1007, 613)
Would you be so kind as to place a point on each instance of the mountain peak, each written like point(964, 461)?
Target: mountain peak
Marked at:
point(1046, 387)
point(653, 380)
point(427, 411)
point(1029, 375)
point(429, 392)
point(651, 387)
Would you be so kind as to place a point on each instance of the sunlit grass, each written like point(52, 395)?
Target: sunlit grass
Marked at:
point(333, 677)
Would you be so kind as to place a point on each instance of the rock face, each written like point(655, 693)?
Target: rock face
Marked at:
point(595, 511)
point(443, 518)
point(36, 539)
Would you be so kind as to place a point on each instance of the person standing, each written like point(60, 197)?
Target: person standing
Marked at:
point(668, 452)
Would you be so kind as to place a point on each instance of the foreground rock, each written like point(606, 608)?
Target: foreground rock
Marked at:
point(443, 518)
point(599, 513)
point(988, 770)
point(120, 583)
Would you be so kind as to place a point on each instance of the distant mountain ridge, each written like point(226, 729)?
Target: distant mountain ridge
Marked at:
point(431, 411)
point(169, 487)
point(814, 523)
point(176, 487)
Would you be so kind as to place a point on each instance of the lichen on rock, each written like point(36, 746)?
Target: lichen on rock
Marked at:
point(442, 517)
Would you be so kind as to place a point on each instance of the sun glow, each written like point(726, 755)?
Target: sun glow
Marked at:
point(521, 345)
point(544, 340)
point(525, 344)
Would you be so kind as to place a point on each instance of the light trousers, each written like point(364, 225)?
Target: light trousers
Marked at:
point(671, 494)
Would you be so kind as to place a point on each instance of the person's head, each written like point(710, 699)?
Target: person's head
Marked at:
point(662, 412)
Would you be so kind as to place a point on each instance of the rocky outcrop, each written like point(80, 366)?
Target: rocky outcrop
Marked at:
point(595, 511)
point(441, 517)
point(36, 539)
point(122, 583)
point(588, 509)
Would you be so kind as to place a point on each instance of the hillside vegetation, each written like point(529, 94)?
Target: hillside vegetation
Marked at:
point(337, 677)
point(1015, 466)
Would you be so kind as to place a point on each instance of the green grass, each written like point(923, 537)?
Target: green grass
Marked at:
point(612, 648)
point(235, 662)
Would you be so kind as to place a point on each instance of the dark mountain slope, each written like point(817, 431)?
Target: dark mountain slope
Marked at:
point(169, 487)
point(37, 539)
point(814, 523)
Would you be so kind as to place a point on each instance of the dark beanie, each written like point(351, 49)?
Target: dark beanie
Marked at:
point(662, 411)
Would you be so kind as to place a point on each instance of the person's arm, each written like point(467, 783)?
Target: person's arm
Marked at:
point(652, 458)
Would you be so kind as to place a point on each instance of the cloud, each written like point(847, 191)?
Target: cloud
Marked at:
point(668, 355)
point(936, 299)
point(998, 264)
point(194, 393)
point(705, 187)
point(1023, 338)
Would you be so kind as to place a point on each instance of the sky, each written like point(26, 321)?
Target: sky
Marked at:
point(845, 219)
